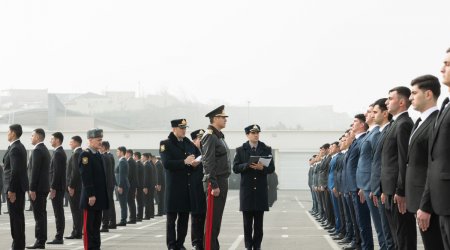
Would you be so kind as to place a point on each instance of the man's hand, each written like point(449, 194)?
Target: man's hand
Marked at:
point(375, 200)
point(423, 220)
point(257, 166)
point(32, 195)
point(52, 193)
point(120, 190)
point(145, 190)
point(195, 163)
point(11, 196)
point(92, 201)
point(335, 192)
point(362, 199)
point(189, 160)
point(158, 188)
point(71, 191)
point(401, 203)
point(383, 198)
point(215, 192)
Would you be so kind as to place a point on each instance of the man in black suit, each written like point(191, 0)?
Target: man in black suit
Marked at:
point(149, 186)
point(132, 178)
point(94, 194)
point(74, 188)
point(123, 185)
point(16, 184)
point(38, 166)
point(160, 185)
point(437, 188)
point(178, 155)
point(425, 91)
point(393, 170)
point(58, 185)
point(253, 187)
point(139, 186)
point(109, 216)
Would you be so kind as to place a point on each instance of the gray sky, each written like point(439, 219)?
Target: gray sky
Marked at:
point(274, 53)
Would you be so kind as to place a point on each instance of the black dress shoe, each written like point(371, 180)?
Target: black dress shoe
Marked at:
point(112, 226)
point(36, 246)
point(146, 218)
point(337, 237)
point(349, 247)
point(122, 224)
point(104, 230)
point(131, 222)
point(158, 215)
point(73, 237)
point(344, 241)
point(56, 242)
point(197, 248)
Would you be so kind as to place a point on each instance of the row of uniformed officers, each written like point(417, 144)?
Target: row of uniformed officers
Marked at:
point(194, 182)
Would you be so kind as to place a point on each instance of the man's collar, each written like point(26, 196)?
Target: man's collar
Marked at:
point(399, 114)
point(38, 144)
point(14, 141)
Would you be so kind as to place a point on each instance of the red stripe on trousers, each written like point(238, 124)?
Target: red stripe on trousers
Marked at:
point(85, 236)
point(209, 218)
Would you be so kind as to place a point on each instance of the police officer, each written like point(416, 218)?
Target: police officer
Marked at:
point(178, 157)
point(217, 169)
point(253, 189)
point(94, 194)
point(198, 201)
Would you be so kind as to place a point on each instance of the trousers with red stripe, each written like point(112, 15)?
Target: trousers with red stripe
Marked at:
point(92, 221)
point(212, 226)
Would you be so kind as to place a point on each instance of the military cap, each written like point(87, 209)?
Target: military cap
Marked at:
point(197, 134)
point(179, 123)
point(218, 112)
point(95, 133)
point(252, 128)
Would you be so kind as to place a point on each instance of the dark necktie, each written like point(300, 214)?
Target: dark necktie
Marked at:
point(253, 149)
point(446, 100)
point(416, 124)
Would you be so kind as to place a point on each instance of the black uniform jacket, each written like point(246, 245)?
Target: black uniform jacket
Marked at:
point(39, 164)
point(253, 188)
point(93, 177)
point(73, 170)
point(15, 168)
point(173, 153)
point(58, 170)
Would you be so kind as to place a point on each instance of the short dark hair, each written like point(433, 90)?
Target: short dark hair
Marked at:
point(77, 139)
point(361, 117)
point(335, 143)
point(40, 132)
point(138, 154)
point(325, 146)
point(17, 129)
point(403, 92)
point(59, 136)
point(428, 82)
point(106, 145)
point(382, 105)
point(146, 155)
point(130, 151)
point(122, 149)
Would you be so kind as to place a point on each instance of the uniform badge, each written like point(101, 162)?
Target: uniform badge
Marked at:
point(162, 148)
point(210, 131)
point(85, 160)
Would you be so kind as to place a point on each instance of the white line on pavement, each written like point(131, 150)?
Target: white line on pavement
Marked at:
point(236, 242)
point(331, 242)
point(313, 220)
point(299, 202)
point(151, 224)
point(110, 238)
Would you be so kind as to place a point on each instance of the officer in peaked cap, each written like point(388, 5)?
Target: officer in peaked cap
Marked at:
point(217, 169)
point(94, 195)
point(178, 156)
point(253, 190)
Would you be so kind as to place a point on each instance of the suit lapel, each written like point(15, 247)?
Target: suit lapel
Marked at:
point(438, 124)
point(423, 127)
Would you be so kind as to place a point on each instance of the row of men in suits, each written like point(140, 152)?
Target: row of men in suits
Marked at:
point(390, 170)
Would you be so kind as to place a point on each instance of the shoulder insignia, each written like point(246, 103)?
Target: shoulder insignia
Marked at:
point(84, 160)
point(162, 148)
point(210, 131)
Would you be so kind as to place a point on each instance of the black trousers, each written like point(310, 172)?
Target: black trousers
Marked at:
point(432, 238)
point(219, 206)
point(175, 235)
point(92, 222)
point(123, 205)
point(40, 217)
point(253, 228)
point(340, 199)
point(109, 215)
point(197, 229)
point(403, 226)
point(329, 207)
point(17, 221)
point(131, 199)
point(149, 204)
point(444, 222)
point(58, 209)
point(161, 201)
point(140, 203)
point(77, 214)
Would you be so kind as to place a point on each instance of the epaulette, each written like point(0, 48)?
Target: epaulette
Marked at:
point(162, 146)
point(209, 131)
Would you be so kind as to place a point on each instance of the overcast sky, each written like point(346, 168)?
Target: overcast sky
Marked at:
point(271, 53)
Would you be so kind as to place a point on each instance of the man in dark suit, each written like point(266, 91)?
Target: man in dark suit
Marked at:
point(58, 185)
point(109, 216)
point(133, 179)
point(393, 170)
point(198, 198)
point(123, 184)
point(38, 166)
point(425, 91)
point(253, 188)
point(178, 157)
point(139, 186)
point(161, 185)
point(74, 188)
point(149, 186)
point(437, 188)
point(1, 187)
point(94, 194)
point(16, 184)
